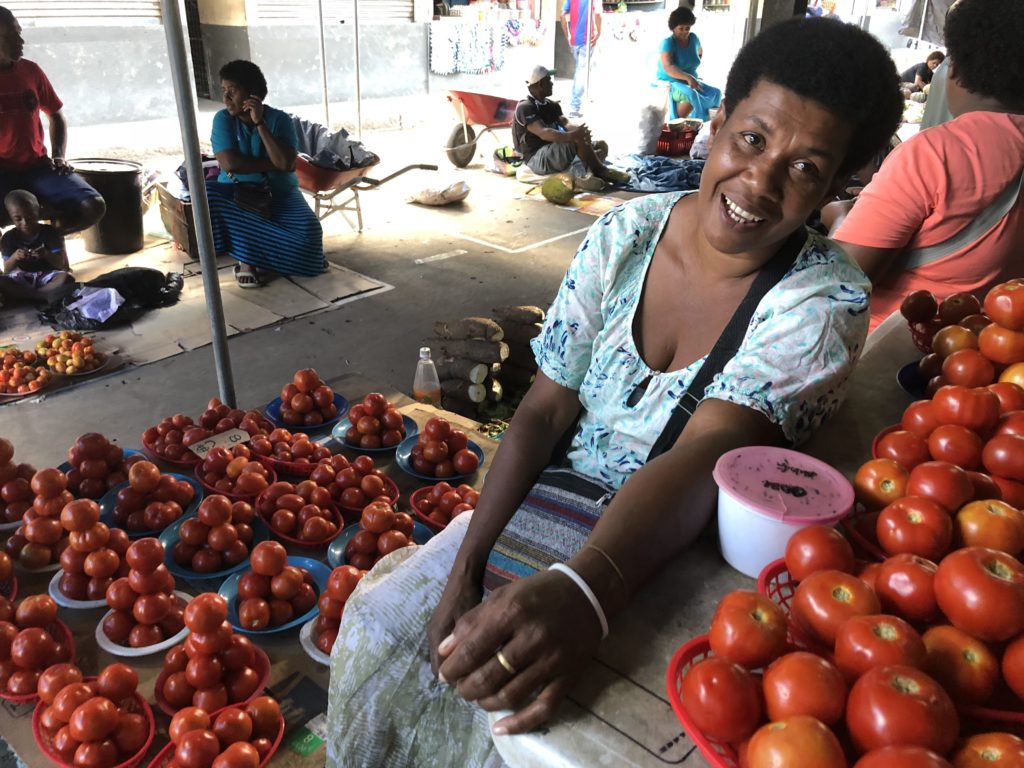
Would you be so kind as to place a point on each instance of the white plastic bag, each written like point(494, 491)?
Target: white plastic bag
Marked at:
point(452, 193)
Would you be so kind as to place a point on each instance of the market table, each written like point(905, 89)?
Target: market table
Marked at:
point(619, 713)
point(296, 681)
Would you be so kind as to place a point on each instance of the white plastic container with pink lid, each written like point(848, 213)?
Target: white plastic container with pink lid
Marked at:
point(766, 494)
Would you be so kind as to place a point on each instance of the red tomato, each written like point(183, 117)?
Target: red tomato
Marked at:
point(964, 666)
point(920, 418)
point(915, 526)
point(342, 582)
point(905, 586)
point(826, 599)
point(968, 368)
point(1011, 396)
point(197, 749)
point(1011, 491)
point(55, 678)
point(903, 447)
point(1012, 666)
point(94, 719)
point(897, 705)
point(981, 591)
point(984, 486)
point(722, 699)
point(1003, 456)
point(1005, 305)
point(944, 483)
point(117, 682)
point(818, 548)
point(268, 558)
point(956, 445)
point(799, 740)
point(880, 482)
point(1001, 345)
point(975, 408)
point(990, 750)
point(266, 716)
point(35, 611)
point(748, 629)
point(990, 523)
point(902, 757)
point(803, 683)
point(865, 642)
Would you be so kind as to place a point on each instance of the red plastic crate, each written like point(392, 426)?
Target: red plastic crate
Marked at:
point(674, 143)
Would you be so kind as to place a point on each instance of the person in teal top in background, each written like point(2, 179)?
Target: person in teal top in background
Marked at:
point(679, 58)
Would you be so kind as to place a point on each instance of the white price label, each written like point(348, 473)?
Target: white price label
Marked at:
point(227, 439)
point(318, 725)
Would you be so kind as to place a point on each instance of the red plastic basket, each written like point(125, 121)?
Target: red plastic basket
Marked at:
point(675, 143)
point(336, 518)
point(262, 668)
point(271, 479)
point(717, 754)
point(186, 462)
point(291, 468)
point(414, 505)
point(60, 632)
point(864, 547)
point(134, 704)
point(165, 757)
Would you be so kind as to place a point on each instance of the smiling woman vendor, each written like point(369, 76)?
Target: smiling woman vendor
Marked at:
point(420, 660)
point(258, 214)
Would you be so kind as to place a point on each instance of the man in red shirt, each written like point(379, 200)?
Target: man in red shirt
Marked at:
point(24, 163)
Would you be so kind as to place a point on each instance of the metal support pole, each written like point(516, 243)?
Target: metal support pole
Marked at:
point(359, 82)
point(323, 65)
point(924, 15)
point(590, 28)
point(184, 95)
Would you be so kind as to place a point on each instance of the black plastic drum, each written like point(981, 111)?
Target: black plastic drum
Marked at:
point(120, 184)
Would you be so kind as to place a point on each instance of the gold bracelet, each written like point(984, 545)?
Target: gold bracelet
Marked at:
point(611, 562)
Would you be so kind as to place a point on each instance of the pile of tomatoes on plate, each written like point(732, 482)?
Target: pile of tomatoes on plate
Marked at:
point(69, 353)
point(214, 667)
point(20, 373)
point(15, 492)
point(98, 722)
point(151, 501)
point(306, 400)
point(29, 643)
point(40, 539)
point(441, 503)
point(174, 435)
point(304, 513)
point(273, 592)
point(97, 465)
point(340, 586)
point(293, 447)
point(218, 537)
point(382, 530)
point(442, 451)
point(143, 607)
point(376, 423)
point(95, 553)
point(235, 737)
point(851, 673)
point(233, 472)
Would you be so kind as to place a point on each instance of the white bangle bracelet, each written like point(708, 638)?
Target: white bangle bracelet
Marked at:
point(578, 580)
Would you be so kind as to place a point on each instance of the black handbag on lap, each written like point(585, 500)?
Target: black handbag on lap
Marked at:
point(561, 509)
point(255, 198)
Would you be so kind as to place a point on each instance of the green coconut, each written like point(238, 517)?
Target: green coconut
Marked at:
point(558, 189)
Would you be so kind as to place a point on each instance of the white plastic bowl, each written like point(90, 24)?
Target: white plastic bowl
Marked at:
point(766, 494)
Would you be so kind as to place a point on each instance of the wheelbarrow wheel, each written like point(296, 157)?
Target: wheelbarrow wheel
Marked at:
point(460, 151)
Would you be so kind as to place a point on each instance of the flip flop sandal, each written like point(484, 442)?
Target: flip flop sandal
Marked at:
point(246, 279)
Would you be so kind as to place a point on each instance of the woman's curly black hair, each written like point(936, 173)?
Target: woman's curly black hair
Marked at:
point(247, 75)
point(837, 65)
point(681, 15)
point(985, 40)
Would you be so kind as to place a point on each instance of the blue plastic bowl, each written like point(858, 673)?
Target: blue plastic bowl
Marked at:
point(229, 591)
point(110, 499)
point(911, 381)
point(403, 458)
point(172, 535)
point(336, 552)
point(338, 433)
point(273, 412)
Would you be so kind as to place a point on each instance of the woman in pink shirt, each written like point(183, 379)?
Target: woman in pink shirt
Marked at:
point(945, 210)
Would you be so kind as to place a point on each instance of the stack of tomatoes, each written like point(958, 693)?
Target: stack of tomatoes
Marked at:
point(29, 643)
point(218, 537)
point(97, 465)
point(151, 501)
point(295, 447)
point(97, 722)
point(441, 503)
point(94, 555)
point(340, 586)
point(376, 423)
point(174, 435)
point(144, 609)
point(442, 451)
point(306, 400)
point(40, 539)
point(219, 418)
point(234, 472)
point(15, 492)
point(355, 484)
point(864, 672)
point(20, 374)
point(382, 530)
point(273, 592)
point(69, 352)
point(304, 512)
point(237, 737)
point(214, 667)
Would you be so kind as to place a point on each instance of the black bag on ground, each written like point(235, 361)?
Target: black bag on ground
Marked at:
point(143, 289)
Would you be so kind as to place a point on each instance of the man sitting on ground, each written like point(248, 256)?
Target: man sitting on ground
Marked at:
point(24, 92)
point(549, 143)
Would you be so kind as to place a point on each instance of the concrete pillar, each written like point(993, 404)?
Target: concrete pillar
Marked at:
point(225, 33)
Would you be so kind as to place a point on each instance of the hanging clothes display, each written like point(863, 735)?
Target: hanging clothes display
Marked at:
point(470, 47)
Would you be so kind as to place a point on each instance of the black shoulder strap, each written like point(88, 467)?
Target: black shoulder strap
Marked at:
point(729, 342)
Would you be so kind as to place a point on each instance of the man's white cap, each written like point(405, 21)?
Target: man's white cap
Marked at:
point(538, 74)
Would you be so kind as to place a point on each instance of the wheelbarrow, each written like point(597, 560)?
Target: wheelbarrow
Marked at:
point(481, 109)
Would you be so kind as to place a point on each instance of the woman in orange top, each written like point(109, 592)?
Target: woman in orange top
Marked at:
point(945, 210)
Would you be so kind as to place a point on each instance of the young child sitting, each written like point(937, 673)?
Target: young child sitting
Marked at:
point(35, 262)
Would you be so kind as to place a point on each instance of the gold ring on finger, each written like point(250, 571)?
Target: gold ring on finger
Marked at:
point(505, 663)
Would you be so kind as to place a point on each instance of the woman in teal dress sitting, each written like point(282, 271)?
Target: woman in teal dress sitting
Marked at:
point(677, 64)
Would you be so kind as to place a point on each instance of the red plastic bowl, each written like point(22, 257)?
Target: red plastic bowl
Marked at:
point(336, 518)
point(291, 468)
point(878, 438)
point(414, 504)
point(863, 546)
point(165, 756)
point(262, 668)
point(175, 462)
point(271, 479)
point(717, 754)
point(137, 704)
point(390, 489)
point(60, 632)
